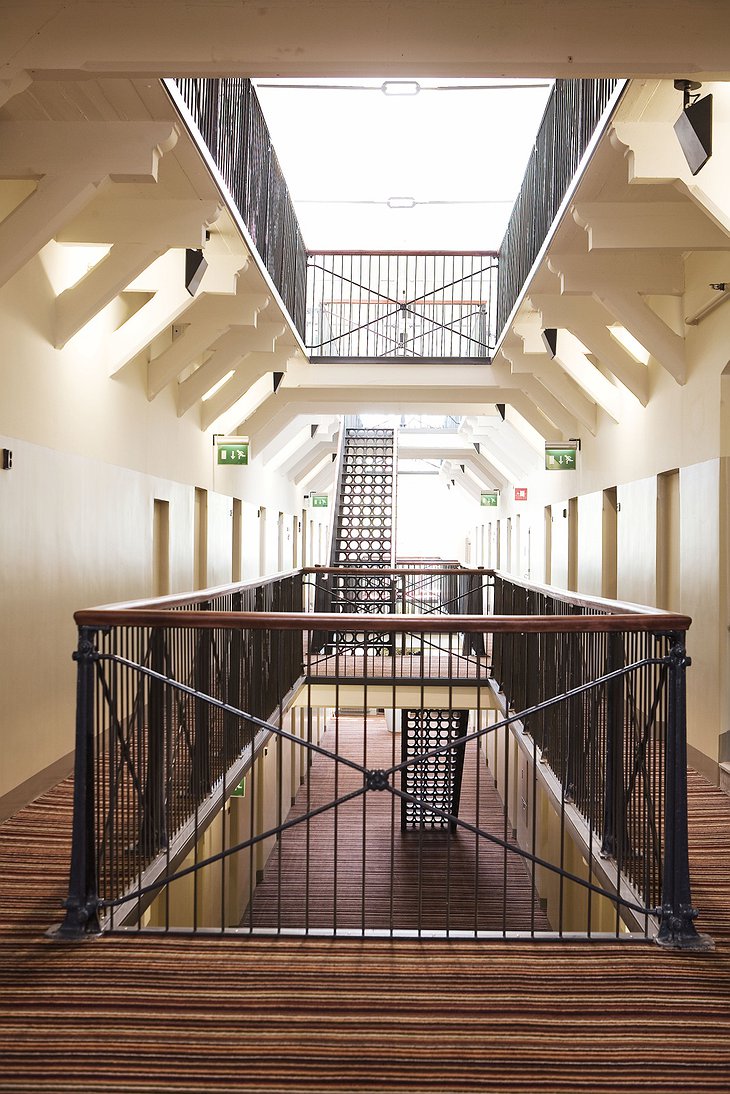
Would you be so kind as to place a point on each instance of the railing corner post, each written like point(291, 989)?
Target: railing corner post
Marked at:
point(82, 903)
point(676, 928)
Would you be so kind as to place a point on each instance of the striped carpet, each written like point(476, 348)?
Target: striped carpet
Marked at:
point(134, 1014)
point(324, 874)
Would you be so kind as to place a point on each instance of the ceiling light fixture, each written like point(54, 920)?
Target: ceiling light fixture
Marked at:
point(400, 87)
point(401, 203)
point(694, 125)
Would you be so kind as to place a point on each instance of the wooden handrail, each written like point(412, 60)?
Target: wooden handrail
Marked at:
point(384, 624)
point(179, 600)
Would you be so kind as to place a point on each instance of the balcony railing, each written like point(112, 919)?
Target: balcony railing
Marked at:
point(427, 306)
point(230, 120)
point(571, 116)
point(197, 765)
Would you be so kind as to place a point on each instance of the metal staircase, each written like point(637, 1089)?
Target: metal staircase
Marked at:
point(363, 534)
point(434, 780)
point(363, 537)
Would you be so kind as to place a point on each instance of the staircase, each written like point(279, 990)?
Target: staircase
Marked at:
point(435, 780)
point(364, 533)
point(363, 537)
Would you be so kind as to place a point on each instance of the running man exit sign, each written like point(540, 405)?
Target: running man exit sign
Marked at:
point(320, 501)
point(231, 451)
point(560, 457)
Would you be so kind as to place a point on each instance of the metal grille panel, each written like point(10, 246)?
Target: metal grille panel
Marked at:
point(435, 780)
point(363, 532)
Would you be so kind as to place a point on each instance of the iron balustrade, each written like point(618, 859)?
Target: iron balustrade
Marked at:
point(572, 114)
point(428, 305)
point(584, 697)
point(228, 114)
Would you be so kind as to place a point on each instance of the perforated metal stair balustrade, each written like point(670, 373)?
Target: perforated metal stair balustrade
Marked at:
point(363, 533)
point(433, 780)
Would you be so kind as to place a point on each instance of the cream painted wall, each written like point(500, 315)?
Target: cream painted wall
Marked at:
point(590, 553)
point(90, 456)
point(702, 598)
point(636, 553)
point(560, 529)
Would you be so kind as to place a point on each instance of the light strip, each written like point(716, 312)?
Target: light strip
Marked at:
point(216, 387)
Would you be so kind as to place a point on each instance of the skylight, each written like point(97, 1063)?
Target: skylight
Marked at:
point(403, 164)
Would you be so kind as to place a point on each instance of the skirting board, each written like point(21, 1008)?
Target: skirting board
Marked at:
point(707, 767)
point(36, 785)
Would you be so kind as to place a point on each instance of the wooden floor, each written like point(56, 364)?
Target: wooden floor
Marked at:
point(355, 868)
point(133, 1014)
point(433, 664)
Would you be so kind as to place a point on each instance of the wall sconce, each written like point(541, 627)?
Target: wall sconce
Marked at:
point(694, 125)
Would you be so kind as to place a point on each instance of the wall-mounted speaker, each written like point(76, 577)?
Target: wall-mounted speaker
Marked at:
point(694, 126)
point(195, 267)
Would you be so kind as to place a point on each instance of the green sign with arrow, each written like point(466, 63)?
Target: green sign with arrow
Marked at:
point(560, 458)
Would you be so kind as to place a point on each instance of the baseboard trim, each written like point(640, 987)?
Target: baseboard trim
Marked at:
point(36, 785)
point(707, 767)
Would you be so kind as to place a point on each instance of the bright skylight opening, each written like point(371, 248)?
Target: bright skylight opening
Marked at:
point(403, 164)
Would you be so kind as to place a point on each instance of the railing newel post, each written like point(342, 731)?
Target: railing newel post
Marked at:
point(676, 929)
point(82, 903)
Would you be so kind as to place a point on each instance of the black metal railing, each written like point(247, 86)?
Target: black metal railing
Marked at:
point(428, 305)
point(571, 116)
point(557, 806)
point(231, 122)
point(155, 730)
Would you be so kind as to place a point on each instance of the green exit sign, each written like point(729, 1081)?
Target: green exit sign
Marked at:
point(490, 497)
point(560, 457)
point(232, 454)
point(320, 501)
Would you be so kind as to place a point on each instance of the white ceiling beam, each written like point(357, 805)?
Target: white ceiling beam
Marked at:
point(251, 368)
point(454, 474)
point(534, 416)
point(140, 329)
point(641, 225)
point(305, 467)
point(510, 446)
point(659, 273)
point(665, 346)
point(207, 318)
point(227, 352)
point(149, 221)
point(551, 407)
point(34, 223)
point(127, 151)
point(77, 305)
point(292, 452)
point(323, 480)
point(557, 382)
point(473, 39)
point(269, 451)
point(588, 321)
point(655, 156)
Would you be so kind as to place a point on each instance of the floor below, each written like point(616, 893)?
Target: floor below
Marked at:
point(132, 1014)
point(354, 867)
